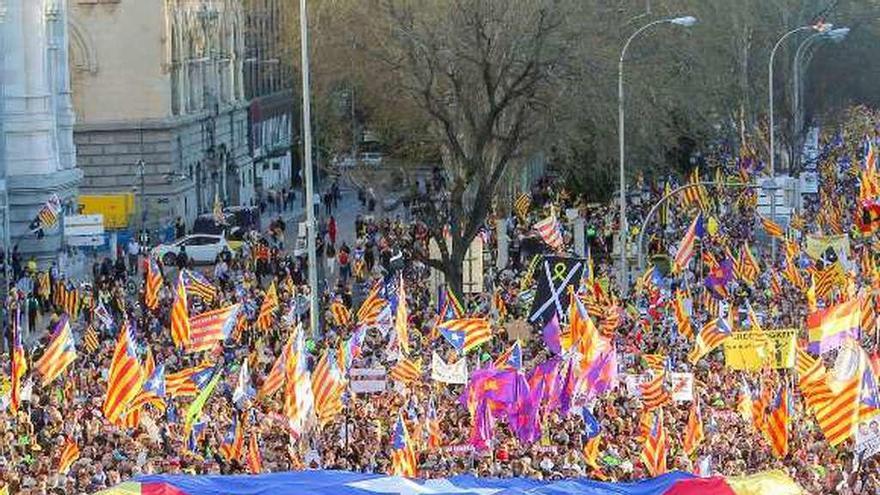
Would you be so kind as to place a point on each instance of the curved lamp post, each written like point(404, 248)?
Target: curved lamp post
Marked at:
point(684, 21)
point(821, 28)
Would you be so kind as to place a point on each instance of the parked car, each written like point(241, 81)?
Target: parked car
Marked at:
point(239, 220)
point(200, 248)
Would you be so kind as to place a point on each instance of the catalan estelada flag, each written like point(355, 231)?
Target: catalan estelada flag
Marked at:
point(654, 448)
point(466, 333)
point(711, 336)
point(188, 382)
point(403, 455)
point(69, 455)
point(211, 327)
point(268, 308)
point(435, 435)
point(180, 315)
point(58, 354)
point(830, 327)
point(125, 378)
point(233, 441)
point(153, 284)
point(153, 391)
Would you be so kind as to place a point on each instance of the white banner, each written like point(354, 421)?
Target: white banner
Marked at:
point(368, 380)
point(449, 373)
point(868, 437)
point(682, 387)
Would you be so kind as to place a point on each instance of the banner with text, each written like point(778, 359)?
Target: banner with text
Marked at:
point(742, 350)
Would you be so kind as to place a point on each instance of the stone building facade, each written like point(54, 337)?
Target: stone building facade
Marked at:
point(158, 91)
point(37, 154)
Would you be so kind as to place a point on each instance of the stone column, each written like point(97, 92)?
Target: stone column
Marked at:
point(37, 117)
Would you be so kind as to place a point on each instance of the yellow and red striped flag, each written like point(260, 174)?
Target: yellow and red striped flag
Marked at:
point(682, 318)
point(254, 459)
point(748, 268)
point(435, 435)
point(401, 319)
point(327, 387)
point(125, 379)
point(772, 228)
point(711, 336)
point(59, 354)
point(654, 393)
point(69, 455)
point(232, 443)
point(777, 424)
point(686, 246)
point(341, 314)
point(180, 315)
point(466, 333)
point(693, 433)
point(268, 308)
point(368, 312)
point(153, 284)
point(299, 399)
point(18, 364)
point(276, 377)
point(654, 448)
point(403, 455)
point(407, 370)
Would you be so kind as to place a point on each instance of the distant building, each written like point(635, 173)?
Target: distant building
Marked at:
point(162, 82)
point(268, 84)
point(37, 156)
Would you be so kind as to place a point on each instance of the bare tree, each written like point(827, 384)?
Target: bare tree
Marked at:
point(480, 70)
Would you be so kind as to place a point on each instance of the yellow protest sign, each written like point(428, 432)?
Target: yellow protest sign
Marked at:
point(742, 350)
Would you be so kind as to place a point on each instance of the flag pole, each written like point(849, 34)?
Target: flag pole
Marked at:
point(311, 226)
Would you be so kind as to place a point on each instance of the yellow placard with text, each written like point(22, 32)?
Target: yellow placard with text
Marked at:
point(742, 351)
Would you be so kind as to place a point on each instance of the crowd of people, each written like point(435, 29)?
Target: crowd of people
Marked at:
point(638, 321)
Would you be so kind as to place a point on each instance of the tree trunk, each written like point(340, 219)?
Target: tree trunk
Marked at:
point(454, 275)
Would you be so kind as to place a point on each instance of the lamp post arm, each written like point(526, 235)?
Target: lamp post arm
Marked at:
point(661, 201)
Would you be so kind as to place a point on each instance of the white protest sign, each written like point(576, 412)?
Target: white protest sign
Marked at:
point(868, 437)
point(368, 380)
point(449, 373)
point(632, 382)
point(682, 387)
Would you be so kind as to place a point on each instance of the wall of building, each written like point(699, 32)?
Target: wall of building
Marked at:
point(118, 68)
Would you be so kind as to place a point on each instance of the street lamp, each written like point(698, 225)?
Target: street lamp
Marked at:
point(821, 28)
point(836, 35)
point(684, 21)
